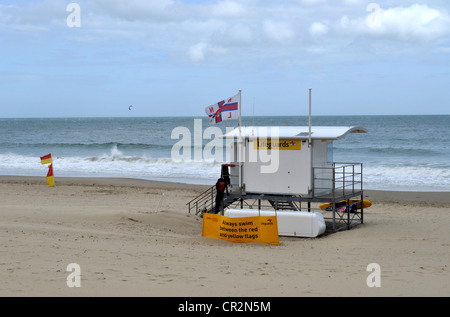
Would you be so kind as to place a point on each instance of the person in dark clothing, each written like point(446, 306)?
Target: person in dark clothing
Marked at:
point(225, 174)
point(220, 188)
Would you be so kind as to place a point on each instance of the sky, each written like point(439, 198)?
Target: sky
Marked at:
point(175, 57)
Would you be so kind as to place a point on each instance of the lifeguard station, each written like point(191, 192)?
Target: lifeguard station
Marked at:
point(289, 171)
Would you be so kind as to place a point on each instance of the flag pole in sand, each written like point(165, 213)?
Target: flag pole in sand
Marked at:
point(161, 200)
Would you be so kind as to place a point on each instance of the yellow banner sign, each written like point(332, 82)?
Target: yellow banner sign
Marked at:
point(245, 229)
point(281, 144)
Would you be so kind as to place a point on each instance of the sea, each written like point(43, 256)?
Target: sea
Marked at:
point(399, 152)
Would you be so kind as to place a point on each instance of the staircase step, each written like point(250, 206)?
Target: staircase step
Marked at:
point(283, 205)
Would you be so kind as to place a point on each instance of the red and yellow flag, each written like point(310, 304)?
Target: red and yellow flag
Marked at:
point(50, 179)
point(46, 159)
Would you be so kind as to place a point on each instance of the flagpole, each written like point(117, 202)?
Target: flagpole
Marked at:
point(240, 107)
point(311, 187)
point(240, 142)
point(309, 118)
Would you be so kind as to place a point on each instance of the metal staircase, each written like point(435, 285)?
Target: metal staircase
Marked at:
point(206, 201)
point(283, 205)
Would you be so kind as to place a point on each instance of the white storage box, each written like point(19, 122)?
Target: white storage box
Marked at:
point(290, 223)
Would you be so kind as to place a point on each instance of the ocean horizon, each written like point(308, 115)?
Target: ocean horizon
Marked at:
point(399, 152)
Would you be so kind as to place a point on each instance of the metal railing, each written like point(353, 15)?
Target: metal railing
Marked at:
point(338, 179)
point(204, 202)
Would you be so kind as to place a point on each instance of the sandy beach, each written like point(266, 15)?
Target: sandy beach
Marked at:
point(128, 241)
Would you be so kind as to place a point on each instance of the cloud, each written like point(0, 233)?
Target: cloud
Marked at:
point(140, 10)
point(167, 10)
point(312, 2)
point(318, 29)
point(416, 23)
point(203, 30)
point(227, 9)
point(33, 16)
point(197, 52)
point(203, 51)
point(279, 32)
point(235, 35)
